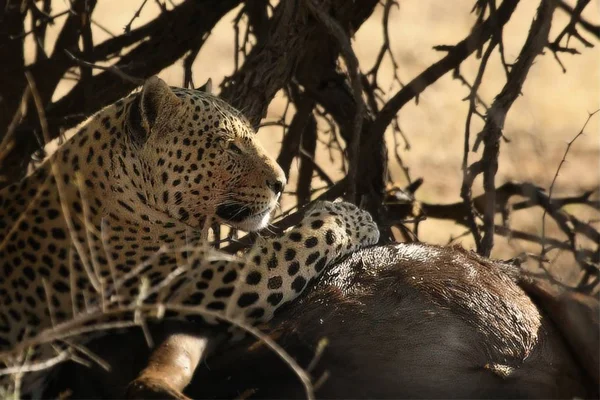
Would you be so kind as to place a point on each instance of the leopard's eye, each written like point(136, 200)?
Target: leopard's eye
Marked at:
point(233, 148)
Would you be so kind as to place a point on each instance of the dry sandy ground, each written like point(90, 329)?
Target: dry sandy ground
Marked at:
point(552, 110)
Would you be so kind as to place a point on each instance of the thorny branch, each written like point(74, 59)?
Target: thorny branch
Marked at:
point(472, 109)
point(589, 27)
point(456, 55)
point(569, 224)
point(570, 31)
point(384, 50)
point(496, 116)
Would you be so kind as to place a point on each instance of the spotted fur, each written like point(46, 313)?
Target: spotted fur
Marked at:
point(118, 208)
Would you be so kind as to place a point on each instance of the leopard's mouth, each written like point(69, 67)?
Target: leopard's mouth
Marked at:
point(233, 212)
point(241, 215)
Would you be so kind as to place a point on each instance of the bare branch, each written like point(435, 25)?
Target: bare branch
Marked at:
point(492, 131)
point(589, 27)
point(334, 29)
point(112, 69)
point(127, 28)
point(455, 56)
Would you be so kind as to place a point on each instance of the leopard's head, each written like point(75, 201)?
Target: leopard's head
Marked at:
point(202, 157)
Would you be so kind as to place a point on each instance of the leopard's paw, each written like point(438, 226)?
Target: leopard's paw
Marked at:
point(348, 225)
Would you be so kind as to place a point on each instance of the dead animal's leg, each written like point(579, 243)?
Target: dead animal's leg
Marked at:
point(171, 367)
point(576, 315)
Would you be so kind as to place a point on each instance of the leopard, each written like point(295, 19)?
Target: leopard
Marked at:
point(113, 225)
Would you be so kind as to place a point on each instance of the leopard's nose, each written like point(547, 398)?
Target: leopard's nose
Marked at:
point(276, 186)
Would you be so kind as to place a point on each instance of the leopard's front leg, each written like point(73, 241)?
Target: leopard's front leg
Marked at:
point(277, 270)
point(273, 272)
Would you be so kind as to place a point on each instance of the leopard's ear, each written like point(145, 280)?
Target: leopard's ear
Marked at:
point(155, 103)
point(207, 87)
